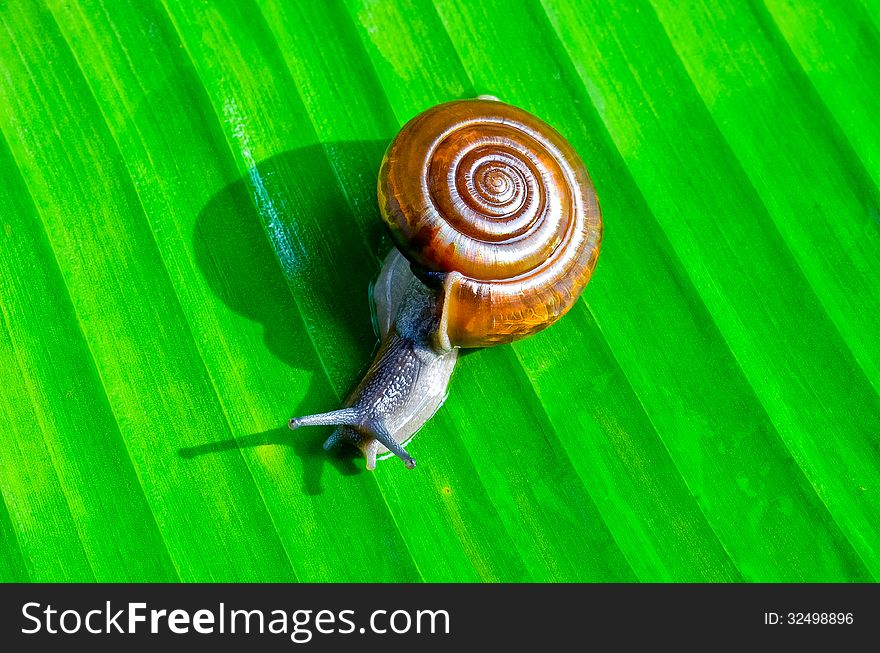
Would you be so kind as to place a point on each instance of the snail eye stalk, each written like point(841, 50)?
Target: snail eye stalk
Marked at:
point(352, 417)
point(378, 431)
point(341, 417)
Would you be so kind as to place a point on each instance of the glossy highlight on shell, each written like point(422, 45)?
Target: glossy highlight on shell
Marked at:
point(500, 203)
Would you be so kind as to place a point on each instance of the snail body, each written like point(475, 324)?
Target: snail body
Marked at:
point(497, 228)
point(407, 380)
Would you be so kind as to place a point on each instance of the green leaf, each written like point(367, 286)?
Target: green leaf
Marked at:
point(189, 232)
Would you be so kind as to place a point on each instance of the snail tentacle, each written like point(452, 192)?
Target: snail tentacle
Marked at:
point(381, 434)
point(341, 417)
point(367, 425)
point(370, 452)
point(333, 440)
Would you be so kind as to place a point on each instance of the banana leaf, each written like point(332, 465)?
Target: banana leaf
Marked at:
point(189, 231)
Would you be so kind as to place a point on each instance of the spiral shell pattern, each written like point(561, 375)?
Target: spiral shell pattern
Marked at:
point(500, 202)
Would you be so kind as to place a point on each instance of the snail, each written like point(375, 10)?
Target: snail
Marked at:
point(497, 230)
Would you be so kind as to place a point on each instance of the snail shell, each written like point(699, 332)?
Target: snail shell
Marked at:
point(500, 224)
point(499, 202)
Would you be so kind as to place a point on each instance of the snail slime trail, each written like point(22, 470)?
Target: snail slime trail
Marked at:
point(497, 230)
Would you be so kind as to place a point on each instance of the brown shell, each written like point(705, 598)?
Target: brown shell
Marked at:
point(500, 201)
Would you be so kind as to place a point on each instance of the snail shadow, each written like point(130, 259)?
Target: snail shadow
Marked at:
point(251, 273)
point(345, 459)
